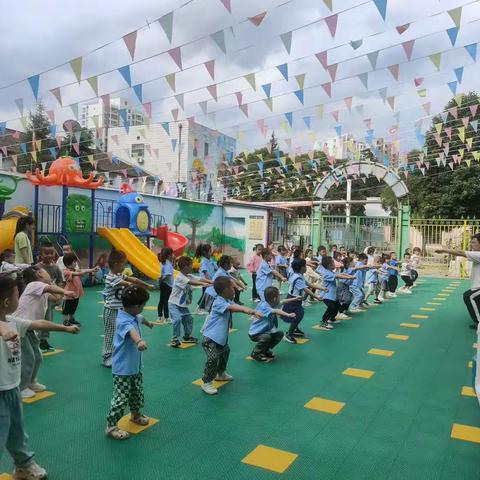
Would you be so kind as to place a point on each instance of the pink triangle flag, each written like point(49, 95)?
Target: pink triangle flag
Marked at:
point(257, 19)
point(394, 70)
point(130, 40)
point(4, 150)
point(348, 103)
point(212, 90)
point(391, 102)
point(175, 114)
point(335, 115)
point(438, 139)
point(106, 102)
point(322, 58)
point(332, 70)
point(465, 121)
point(227, 5)
point(176, 55)
point(473, 110)
point(368, 123)
point(402, 28)
point(239, 96)
point(328, 88)
point(453, 112)
point(418, 81)
point(57, 94)
point(76, 147)
point(114, 138)
point(59, 139)
point(244, 109)
point(426, 107)
point(448, 131)
point(148, 109)
point(408, 47)
point(210, 66)
point(331, 22)
point(51, 115)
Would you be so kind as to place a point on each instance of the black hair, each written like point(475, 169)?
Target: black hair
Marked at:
point(298, 264)
point(30, 274)
point(46, 244)
point(225, 262)
point(205, 250)
point(297, 253)
point(370, 250)
point(327, 261)
point(183, 261)
point(362, 256)
point(221, 284)
point(346, 262)
point(270, 293)
point(114, 258)
point(165, 252)
point(134, 296)
point(5, 254)
point(71, 258)
point(7, 287)
point(476, 236)
point(321, 247)
point(22, 223)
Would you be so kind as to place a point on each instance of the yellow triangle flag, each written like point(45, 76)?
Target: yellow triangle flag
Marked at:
point(95, 119)
point(313, 137)
point(461, 151)
point(458, 99)
point(456, 16)
point(170, 78)
point(461, 133)
point(34, 155)
point(269, 103)
point(469, 142)
point(284, 126)
point(38, 144)
point(241, 135)
point(422, 92)
point(76, 65)
point(90, 159)
point(141, 131)
point(250, 78)
point(283, 160)
point(438, 127)
point(148, 121)
point(468, 162)
point(476, 155)
point(320, 110)
point(260, 156)
point(300, 80)
point(436, 59)
point(93, 82)
point(23, 121)
point(329, 4)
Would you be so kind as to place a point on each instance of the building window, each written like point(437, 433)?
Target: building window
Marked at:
point(138, 152)
point(195, 149)
point(205, 149)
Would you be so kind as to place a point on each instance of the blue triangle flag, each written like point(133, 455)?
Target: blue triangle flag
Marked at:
point(338, 130)
point(382, 7)
point(115, 160)
point(453, 87)
point(308, 121)
point(23, 147)
point(260, 168)
point(284, 70)
point(138, 92)
point(444, 116)
point(127, 126)
point(376, 151)
point(53, 152)
point(383, 94)
point(174, 143)
point(34, 81)
point(459, 74)
point(125, 72)
point(472, 50)
point(53, 130)
point(3, 128)
point(386, 161)
point(412, 167)
point(267, 88)
point(166, 127)
point(452, 35)
point(299, 95)
point(123, 114)
point(289, 117)
point(474, 124)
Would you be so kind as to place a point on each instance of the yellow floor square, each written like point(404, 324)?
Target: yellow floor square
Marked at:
point(433, 303)
point(475, 345)
point(422, 317)
point(268, 360)
point(5, 476)
point(39, 396)
point(465, 432)
point(270, 458)
point(53, 352)
point(183, 346)
point(324, 405)
point(357, 372)
point(468, 392)
point(410, 325)
point(301, 341)
point(125, 424)
point(317, 327)
point(216, 383)
point(448, 289)
point(101, 302)
point(232, 330)
point(437, 299)
point(443, 294)
point(150, 308)
point(382, 353)
point(427, 309)
point(394, 336)
point(470, 364)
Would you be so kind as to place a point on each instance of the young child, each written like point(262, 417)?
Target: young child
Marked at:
point(356, 288)
point(208, 267)
point(128, 346)
point(265, 273)
point(66, 250)
point(165, 283)
point(330, 297)
point(415, 262)
point(180, 299)
point(47, 262)
point(281, 263)
point(14, 270)
point(237, 276)
point(33, 304)
point(115, 281)
point(373, 282)
point(215, 333)
point(392, 269)
point(264, 330)
point(383, 279)
point(297, 287)
point(344, 296)
point(252, 266)
point(406, 274)
point(12, 329)
point(73, 283)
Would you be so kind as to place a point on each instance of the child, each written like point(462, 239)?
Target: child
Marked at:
point(356, 288)
point(8, 265)
point(165, 283)
point(344, 296)
point(47, 262)
point(373, 282)
point(33, 304)
point(66, 249)
point(265, 273)
point(128, 346)
point(406, 274)
point(415, 262)
point(383, 279)
point(13, 435)
point(264, 330)
point(330, 297)
point(180, 299)
point(392, 269)
point(237, 276)
point(207, 271)
point(73, 282)
point(281, 263)
point(115, 281)
point(252, 266)
point(215, 333)
point(297, 287)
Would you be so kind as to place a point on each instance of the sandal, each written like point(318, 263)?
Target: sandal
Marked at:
point(139, 419)
point(116, 433)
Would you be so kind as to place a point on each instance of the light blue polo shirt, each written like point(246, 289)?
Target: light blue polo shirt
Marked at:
point(360, 274)
point(296, 284)
point(348, 271)
point(218, 321)
point(219, 273)
point(329, 282)
point(267, 324)
point(207, 268)
point(264, 277)
point(319, 268)
point(126, 358)
point(167, 273)
point(281, 261)
point(391, 271)
point(372, 275)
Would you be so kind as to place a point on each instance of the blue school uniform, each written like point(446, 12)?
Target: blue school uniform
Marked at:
point(167, 273)
point(268, 323)
point(329, 282)
point(296, 286)
point(126, 358)
point(218, 321)
point(264, 278)
point(372, 276)
point(207, 268)
point(392, 272)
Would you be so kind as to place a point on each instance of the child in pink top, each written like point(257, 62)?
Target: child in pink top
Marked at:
point(252, 267)
point(73, 282)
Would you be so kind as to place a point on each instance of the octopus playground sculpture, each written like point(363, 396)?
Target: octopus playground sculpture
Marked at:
point(64, 171)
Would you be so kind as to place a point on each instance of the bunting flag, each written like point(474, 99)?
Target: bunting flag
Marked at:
point(244, 109)
point(382, 7)
point(269, 103)
point(329, 4)
point(436, 59)
point(363, 77)
point(453, 112)
point(418, 81)
point(19, 104)
point(427, 107)
point(332, 70)
point(422, 92)
point(300, 80)
point(473, 110)
point(307, 121)
point(356, 44)
point(448, 131)
point(166, 127)
point(319, 110)
point(283, 69)
point(465, 121)
point(125, 73)
point(474, 125)
point(452, 35)
point(174, 112)
point(383, 94)
point(34, 82)
point(76, 65)
point(176, 55)
point(131, 42)
point(170, 78)
point(453, 87)
point(180, 99)
point(174, 143)
point(408, 48)
point(322, 58)
point(373, 58)
point(402, 28)
point(391, 102)
point(328, 89)
point(106, 102)
point(227, 5)
point(394, 70)
point(212, 90)
point(331, 22)
point(250, 78)
point(219, 39)
point(267, 88)
point(335, 115)
point(257, 19)
point(166, 22)
point(472, 50)
point(239, 96)
point(210, 66)
point(74, 108)
point(287, 41)
point(93, 82)
point(459, 74)
point(348, 102)
point(461, 133)
point(456, 16)
point(138, 89)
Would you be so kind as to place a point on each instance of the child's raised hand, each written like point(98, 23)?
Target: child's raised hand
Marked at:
point(142, 345)
point(72, 329)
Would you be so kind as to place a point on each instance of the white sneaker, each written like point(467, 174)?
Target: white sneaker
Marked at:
point(357, 310)
point(200, 311)
point(342, 316)
point(223, 377)
point(33, 472)
point(209, 388)
point(37, 387)
point(161, 320)
point(409, 292)
point(27, 393)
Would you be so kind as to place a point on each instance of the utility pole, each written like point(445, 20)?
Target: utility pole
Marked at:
point(348, 205)
point(180, 126)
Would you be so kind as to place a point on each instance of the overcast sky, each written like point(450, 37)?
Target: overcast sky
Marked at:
point(41, 35)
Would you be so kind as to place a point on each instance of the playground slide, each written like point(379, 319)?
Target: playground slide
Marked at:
point(137, 253)
point(8, 226)
point(173, 240)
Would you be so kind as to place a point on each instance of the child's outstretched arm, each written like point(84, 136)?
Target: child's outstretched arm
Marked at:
point(345, 276)
point(313, 294)
point(199, 282)
point(137, 281)
point(290, 300)
point(279, 276)
point(241, 309)
point(139, 342)
point(54, 290)
point(85, 271)
point(282, 313)
point(455, 253)
point(47, 326)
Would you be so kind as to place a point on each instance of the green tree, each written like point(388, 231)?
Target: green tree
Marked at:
point(86, 147)
point(194, 214)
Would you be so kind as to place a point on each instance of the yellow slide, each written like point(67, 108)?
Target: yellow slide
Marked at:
point(8, 226)
point(137, 253)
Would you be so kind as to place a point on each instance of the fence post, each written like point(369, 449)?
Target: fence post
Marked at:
point(463, 273)
point(403, 229)
point(315, 235)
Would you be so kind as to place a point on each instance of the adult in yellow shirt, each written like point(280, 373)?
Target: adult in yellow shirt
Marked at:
point(23, 246)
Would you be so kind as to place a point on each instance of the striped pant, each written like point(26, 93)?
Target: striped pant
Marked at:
point(472, 302)
point(217, 359)
point(127, 392)
point(109, 318)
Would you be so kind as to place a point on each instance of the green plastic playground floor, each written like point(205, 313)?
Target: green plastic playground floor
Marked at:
point(395, 425)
